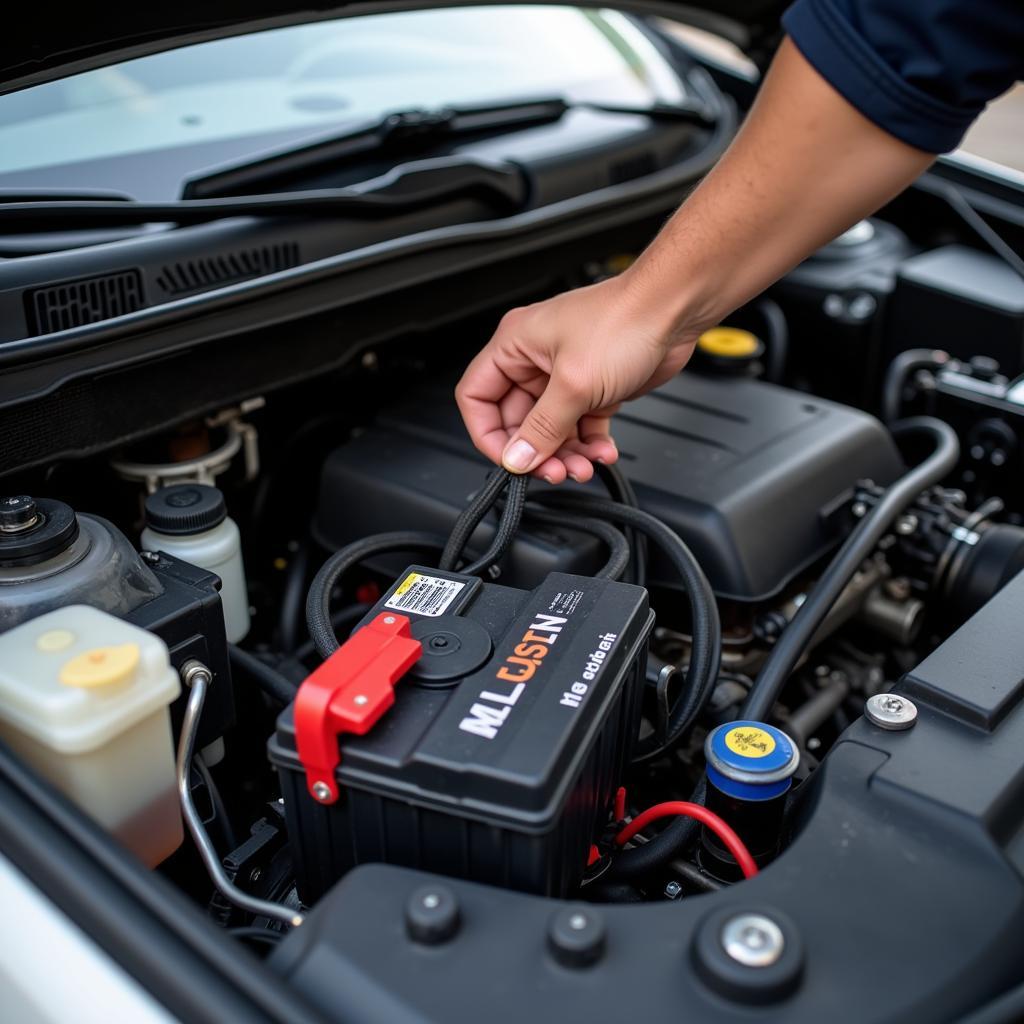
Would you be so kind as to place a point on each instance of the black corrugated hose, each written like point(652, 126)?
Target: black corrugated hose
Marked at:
point(621, 490)
point(318, 610)
point(471, 517)
point(615, 540)
point(318, 600)
point(707, 630)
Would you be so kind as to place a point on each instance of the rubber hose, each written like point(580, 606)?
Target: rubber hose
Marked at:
point(900, 369)
point(777, 333)
point(276, 686)
point(707, 630)
point(858, 546)
point(508, 524)
point(620, 489)
point(618, 547)
point(293, 598)
point(668, 844)
point(471, 516)
point(318, 600)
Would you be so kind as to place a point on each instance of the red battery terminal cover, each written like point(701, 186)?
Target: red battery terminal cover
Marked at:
point(349, 693)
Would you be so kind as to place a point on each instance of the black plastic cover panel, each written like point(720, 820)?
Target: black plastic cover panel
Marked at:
point(750, 475)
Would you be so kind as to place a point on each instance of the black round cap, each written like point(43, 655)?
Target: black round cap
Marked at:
point(577, 935)
point(33, 530)
point(432, 915)
point(453, 647)
point(185, 508)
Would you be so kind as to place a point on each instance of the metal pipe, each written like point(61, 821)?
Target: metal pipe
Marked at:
point(197, 677)
point(813, 713)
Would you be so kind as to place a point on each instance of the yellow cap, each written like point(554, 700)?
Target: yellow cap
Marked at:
point(728, 342)
point(750, 741)
point(101, 666)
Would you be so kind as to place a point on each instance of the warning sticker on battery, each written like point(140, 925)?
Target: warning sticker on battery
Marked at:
point(424, 595)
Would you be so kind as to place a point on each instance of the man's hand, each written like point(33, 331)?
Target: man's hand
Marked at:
point(804, 167)
point(539, 397)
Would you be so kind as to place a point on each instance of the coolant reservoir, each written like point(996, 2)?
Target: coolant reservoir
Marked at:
point(190, 521)
point(84, 700)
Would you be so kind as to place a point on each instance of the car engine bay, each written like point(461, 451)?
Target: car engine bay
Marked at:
point(438, 726)
point(732, 732)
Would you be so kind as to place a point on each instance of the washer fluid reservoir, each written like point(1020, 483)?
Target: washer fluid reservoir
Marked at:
point(84, 700)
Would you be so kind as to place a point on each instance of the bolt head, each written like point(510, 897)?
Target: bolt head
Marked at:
point(906, 525)
point(322, 791)
point(890, 711)
point(389, 620)
point(753, 940)
point(360, 699)
point(673, 890)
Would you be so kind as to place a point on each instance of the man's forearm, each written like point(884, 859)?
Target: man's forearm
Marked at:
point(804, 167)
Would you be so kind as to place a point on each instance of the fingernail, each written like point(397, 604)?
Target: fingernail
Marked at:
point(599, 459)
point(549, 480)
point(518, 456)
point(573, 476)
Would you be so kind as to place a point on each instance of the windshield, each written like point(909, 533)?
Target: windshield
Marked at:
point(311, 79)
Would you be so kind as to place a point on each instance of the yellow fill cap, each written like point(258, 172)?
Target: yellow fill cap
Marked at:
point(749, 741)
point(101, 666)
point(728, 342)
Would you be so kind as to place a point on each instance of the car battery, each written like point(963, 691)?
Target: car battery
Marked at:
point(467, 728)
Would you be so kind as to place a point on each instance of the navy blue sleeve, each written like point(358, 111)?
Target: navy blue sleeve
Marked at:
point(923, 70)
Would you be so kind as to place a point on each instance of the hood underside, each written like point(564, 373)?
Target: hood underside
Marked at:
point(41, 44)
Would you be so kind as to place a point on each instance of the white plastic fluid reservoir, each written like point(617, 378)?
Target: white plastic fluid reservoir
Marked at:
point(84, 700)
point(190, 522)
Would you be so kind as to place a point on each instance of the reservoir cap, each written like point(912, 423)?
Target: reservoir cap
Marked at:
point(185, 508)
point(750, 760)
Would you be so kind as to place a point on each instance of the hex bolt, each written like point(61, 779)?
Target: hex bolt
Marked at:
point(389, 620)
point(673, 890)
point(890, 711)
point(753, 940)
point(322, 791)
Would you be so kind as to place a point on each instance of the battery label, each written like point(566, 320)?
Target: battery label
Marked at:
point(424, 595)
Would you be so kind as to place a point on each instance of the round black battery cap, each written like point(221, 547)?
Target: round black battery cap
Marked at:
point(452, 648)
point(33, 530)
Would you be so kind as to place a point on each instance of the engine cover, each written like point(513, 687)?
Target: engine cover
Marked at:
point(500, 757)
point(749, 474)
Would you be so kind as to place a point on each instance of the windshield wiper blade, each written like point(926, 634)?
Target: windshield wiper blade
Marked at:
point(405, 188)
point(407, 131)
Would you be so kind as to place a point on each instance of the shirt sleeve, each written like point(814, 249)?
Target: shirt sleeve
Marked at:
point(922, 70)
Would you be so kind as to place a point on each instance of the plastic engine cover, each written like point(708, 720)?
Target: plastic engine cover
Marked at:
point(500, 757)
point(749, 474)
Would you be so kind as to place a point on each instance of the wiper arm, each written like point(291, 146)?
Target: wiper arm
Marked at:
point(411, 130)
point(408, 187)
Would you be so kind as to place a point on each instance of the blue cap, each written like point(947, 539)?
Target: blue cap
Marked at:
point(750, 760)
